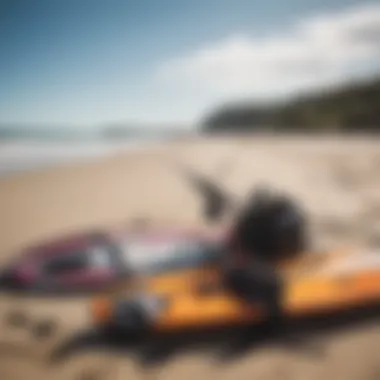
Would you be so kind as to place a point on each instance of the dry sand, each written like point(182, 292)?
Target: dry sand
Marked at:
point(336, 179)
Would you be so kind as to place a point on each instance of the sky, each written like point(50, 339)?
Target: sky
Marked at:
point(90, 62)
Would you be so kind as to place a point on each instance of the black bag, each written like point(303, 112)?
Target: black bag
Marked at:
point(271, 228)
point(258, 283)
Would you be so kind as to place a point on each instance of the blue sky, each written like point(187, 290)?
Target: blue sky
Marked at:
point(88, 62)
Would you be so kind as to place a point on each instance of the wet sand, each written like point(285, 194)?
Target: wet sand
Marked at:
point(336, 179)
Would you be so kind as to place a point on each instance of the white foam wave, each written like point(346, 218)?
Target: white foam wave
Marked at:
point(17, 156)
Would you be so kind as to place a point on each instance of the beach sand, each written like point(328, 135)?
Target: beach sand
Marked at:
point(337, 180)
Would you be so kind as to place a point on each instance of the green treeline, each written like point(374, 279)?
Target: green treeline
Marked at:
point(353, 107)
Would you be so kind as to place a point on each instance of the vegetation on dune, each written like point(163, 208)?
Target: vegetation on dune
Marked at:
point(352, 107)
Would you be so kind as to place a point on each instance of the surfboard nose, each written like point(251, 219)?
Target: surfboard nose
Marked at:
point(7, 279)
point(11, 278)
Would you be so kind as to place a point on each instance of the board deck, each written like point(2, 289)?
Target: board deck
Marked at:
point(341, 281)
point(330, 282)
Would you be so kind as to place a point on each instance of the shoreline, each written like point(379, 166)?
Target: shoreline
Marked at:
point(24, 156)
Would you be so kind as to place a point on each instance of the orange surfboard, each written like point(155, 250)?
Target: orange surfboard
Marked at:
point(317, 283)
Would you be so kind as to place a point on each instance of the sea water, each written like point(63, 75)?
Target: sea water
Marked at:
point(20, 155)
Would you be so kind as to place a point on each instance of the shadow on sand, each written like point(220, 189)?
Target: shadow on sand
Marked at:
point(224, 345)
point(217, 202)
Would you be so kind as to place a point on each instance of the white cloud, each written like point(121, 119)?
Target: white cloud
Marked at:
point(321, 50)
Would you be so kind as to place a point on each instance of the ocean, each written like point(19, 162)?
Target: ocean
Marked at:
point(20, 155)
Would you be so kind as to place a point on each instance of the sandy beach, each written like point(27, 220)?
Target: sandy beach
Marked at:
point(337, 180)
